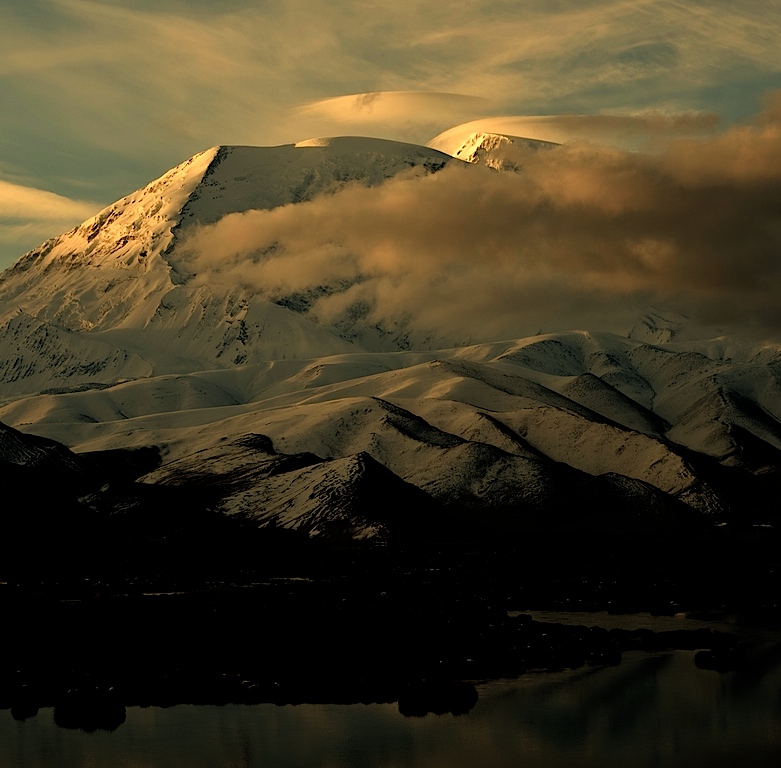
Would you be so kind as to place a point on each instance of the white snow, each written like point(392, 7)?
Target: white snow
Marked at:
point(106, 342)
point(499, 151)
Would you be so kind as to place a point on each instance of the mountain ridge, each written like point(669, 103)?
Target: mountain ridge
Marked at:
point(109, 342)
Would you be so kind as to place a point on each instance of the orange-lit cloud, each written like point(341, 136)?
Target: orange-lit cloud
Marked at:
point(29, 216)
point(637, 132)
point(402, 113)
point(584, 236)
point(20, 202)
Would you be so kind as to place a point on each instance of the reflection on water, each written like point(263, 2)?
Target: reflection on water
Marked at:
point(652, 710)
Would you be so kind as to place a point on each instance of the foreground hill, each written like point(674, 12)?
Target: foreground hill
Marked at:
point(565, 430)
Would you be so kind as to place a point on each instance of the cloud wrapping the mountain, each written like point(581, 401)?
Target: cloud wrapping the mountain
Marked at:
point(584, 236)
point(646, 131)
point(411, 115)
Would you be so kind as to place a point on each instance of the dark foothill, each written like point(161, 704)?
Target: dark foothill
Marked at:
point(90, 708)
point(24, 704)
point(340, 625)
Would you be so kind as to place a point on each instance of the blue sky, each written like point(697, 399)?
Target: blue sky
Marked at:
point(100, 97)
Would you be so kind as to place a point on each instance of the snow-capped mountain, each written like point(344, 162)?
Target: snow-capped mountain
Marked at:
point(121, 277)
point(114, 337)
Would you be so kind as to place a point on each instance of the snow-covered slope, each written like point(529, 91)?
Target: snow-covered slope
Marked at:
point(120, 278)
point(514, 431)
point(353, 497)
point(113, 338)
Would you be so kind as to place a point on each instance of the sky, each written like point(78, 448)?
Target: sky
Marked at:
point(100, 97)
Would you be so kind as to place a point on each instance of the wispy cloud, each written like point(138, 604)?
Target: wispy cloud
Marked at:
point(132, 75)
point(19, 202)
point(28, 215)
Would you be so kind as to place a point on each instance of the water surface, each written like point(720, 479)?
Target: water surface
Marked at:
point(654, 710)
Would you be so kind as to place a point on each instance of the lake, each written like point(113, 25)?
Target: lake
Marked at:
point(654, 710)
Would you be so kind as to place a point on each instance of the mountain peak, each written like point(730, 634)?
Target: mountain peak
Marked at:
point(119, 275)
point(242, 178)
point(499, 151)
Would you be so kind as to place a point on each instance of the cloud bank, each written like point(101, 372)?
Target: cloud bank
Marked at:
point(584, 237)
